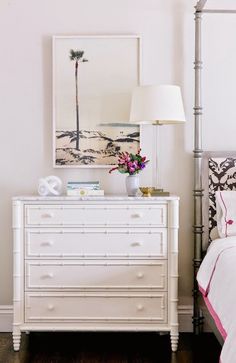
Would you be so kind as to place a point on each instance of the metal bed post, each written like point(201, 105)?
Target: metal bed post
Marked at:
point(198, 191)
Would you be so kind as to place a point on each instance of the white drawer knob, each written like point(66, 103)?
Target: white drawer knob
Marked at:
point(48, 276)
point(140, 275)
point(136, 244)
point(51, 307)
point(47, 243)
point(47, 215)
point(137, 215)
point(140, 307)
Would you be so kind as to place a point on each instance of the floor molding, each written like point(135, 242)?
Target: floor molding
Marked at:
point(6, 317)
point(185, 318)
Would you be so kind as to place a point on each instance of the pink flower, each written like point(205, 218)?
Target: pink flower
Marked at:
point(130, 163)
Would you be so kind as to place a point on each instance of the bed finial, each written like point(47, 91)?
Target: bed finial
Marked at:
point(200, 5)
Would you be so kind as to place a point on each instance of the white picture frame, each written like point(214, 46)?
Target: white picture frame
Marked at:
point(91, 108)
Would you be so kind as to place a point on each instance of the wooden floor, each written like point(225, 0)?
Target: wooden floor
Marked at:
point(108, 347)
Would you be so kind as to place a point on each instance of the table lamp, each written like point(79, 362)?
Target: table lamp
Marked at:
point(157, 105)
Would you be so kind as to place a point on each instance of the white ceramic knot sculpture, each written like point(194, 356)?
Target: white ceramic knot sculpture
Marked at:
point(51, 185)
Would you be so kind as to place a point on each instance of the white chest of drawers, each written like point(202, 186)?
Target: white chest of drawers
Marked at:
point(103, 264)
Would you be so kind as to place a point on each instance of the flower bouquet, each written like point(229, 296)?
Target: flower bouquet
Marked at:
point(131, 164)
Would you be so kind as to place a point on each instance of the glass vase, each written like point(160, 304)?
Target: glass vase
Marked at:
point(132, 185)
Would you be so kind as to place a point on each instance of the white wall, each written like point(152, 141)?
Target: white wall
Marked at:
point(167, 30)
point(26, 28)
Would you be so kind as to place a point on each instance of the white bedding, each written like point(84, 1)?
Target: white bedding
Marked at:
point(217, 282)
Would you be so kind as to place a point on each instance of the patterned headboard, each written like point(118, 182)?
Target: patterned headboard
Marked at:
point(219, 173)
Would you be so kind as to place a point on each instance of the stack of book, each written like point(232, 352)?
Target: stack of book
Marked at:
point(89, 188)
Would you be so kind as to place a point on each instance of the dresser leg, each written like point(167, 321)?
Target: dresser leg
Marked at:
point(174, 338)
point(16, 339)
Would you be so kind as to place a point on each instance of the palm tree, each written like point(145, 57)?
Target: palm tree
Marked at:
point(77, 57)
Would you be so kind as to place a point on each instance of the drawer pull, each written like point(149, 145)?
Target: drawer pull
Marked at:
point(140, 307)
point(47, 215)
point(48, 276)
point(140, 275)
point(47, 243)
point(136, 244)
point(137, 215)
point(51, 307)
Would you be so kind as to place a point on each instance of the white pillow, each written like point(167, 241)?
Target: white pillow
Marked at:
point(226, 213)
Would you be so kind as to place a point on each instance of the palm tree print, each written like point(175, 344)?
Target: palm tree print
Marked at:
point(78, 57)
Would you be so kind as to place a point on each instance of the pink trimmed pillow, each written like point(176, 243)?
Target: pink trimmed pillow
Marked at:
point(226, 213)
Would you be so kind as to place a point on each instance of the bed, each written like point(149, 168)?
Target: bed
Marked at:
point(214, 260)
point(215, 276)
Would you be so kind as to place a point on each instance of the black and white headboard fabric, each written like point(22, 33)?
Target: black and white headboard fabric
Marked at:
point(219, 173)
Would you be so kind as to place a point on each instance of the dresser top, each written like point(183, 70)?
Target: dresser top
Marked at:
point(106, 198)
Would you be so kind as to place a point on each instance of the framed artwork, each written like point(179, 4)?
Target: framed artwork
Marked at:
point(93, 78)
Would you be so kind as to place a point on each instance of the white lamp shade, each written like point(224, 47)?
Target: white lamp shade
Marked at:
point(157, 105)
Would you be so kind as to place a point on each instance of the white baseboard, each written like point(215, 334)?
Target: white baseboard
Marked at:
point(6, 318)
point(185, 318)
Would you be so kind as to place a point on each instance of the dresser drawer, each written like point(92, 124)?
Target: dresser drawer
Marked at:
point(96, 275)
point(95, 307)
point(102, 215)
point(96, 242)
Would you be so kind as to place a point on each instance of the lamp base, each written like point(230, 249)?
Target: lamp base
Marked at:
point(159, 193)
